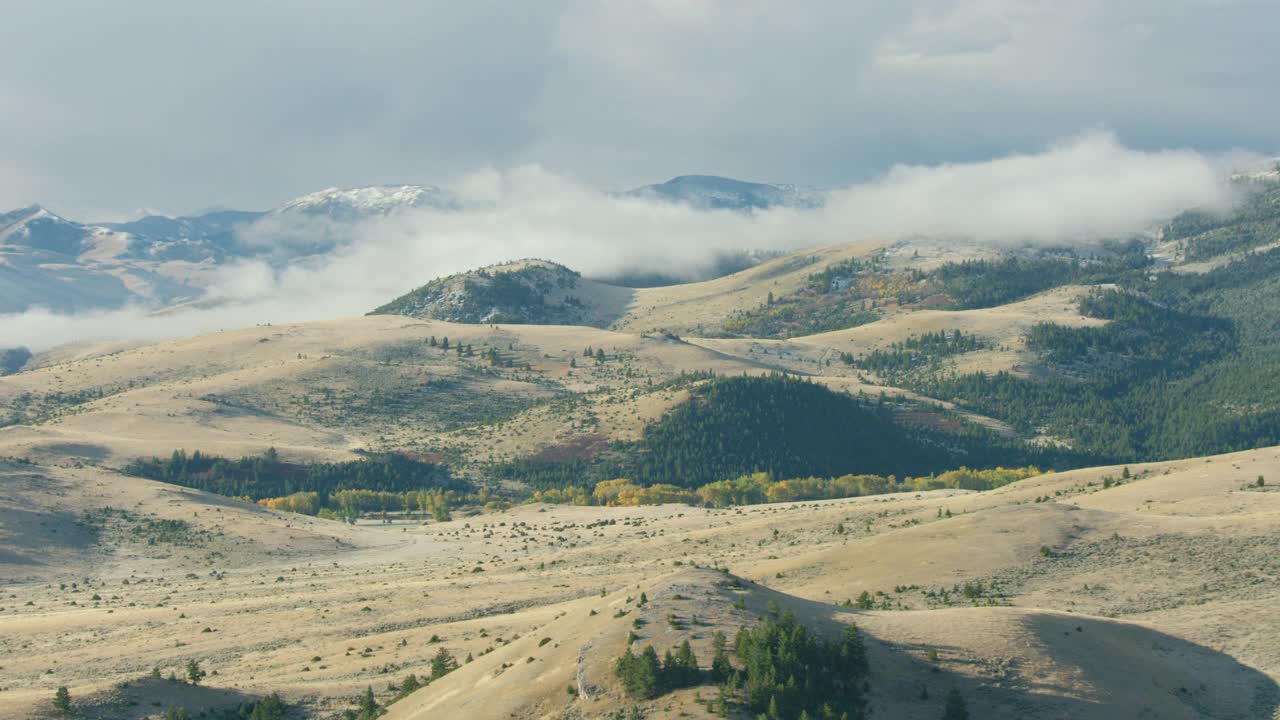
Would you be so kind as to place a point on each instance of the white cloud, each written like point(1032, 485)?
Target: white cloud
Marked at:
point(1085, 187)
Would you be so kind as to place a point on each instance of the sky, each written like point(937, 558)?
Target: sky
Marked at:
point(112, 109)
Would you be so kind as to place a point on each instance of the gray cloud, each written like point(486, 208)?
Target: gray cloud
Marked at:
point(108, 107)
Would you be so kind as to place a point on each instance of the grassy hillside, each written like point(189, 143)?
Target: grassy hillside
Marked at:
point(1061, 595)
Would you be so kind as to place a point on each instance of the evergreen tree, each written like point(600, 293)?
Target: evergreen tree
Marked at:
point(788, 670)
point(641, 675)
point(442, 664)
point(684, 671)
point(369, 708)
point(269, 708)
point(721, 668)
point(955, 708)
point(409, 684)
point(62, 700)
point(194, 673)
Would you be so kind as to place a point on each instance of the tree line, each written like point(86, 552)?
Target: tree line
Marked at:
point(787, 428)
point(759, 488)
point(266, 476)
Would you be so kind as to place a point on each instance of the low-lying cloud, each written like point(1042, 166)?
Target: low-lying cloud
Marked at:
point(1086, 187)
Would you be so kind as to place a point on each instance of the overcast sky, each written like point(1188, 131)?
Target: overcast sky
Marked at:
point(176, 106)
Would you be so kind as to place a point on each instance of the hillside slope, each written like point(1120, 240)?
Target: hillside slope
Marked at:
point(526, 292)
point(1165, 576)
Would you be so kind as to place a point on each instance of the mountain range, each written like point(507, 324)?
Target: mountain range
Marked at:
point(50, 261)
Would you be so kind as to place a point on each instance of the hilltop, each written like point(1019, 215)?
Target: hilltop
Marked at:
point(523, 292)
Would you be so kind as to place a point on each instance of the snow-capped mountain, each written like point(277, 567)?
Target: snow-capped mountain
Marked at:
point(712, 192)
point(198, 238)
point(47, 260)
point(357, 203)
point(50, 261)
point(39, 229)
point(53, 262)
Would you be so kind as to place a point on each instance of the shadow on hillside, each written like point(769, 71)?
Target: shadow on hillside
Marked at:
point(81, 451)
point(152, 696)
point(30, 536)
point(1027, 664)
point(1101, 669)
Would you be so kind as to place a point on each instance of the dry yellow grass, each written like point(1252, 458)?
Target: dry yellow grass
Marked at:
point(695, 307)
point(1153, 597)
point(1178, 556)
point(1004, 328)
point(239, 392)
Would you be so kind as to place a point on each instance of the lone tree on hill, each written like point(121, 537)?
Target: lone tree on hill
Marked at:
point(955, 708)
point(194, 673)
point(442, 664)
point(62, 700)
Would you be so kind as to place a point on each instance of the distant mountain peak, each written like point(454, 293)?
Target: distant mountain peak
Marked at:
point(715, 192)
point(348, 203)
point(30, 213)
point(39, 228)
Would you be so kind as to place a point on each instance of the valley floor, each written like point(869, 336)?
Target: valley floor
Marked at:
point(1057, 596)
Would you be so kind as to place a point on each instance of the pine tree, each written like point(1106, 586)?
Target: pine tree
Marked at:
point(442, 664)
point(194, 673)
point(409, 684)
point(670, 672)
point(641, 675)
point(686, 667)
point(369, 708)
point(62, 700)
point(721, 668)
point(270, 707)
point(955, 708)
